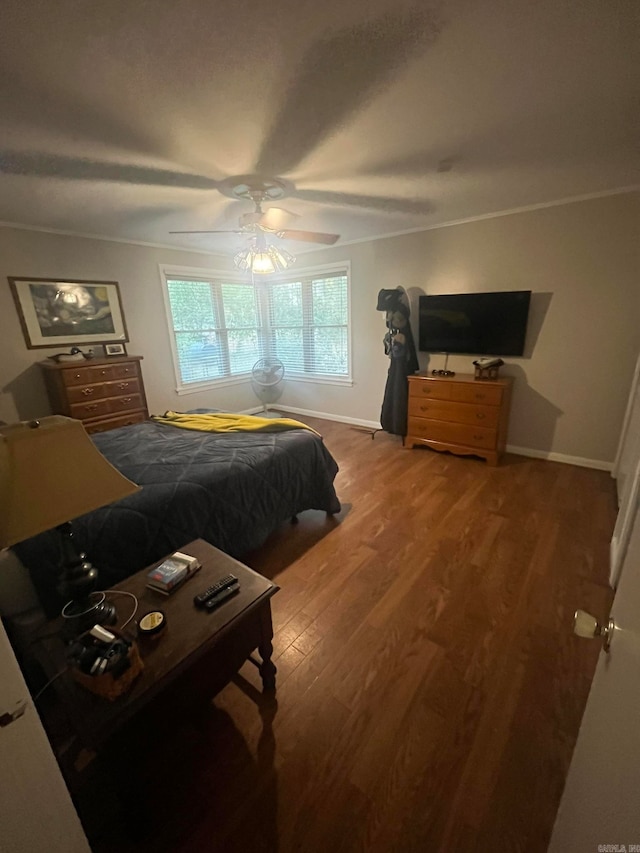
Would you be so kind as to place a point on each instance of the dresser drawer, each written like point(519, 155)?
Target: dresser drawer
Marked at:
point(114, 423)
point(425, 388)
point(82, 411)
point(83, 393)
point(76, 376)
point(462, 413)
point(122, 387)
point(471, 436)
point(120, 404)
point(483, 392)
point(125, 370)
point(103, 372)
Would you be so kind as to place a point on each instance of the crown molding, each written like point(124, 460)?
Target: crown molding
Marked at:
point(512, 211)
point(87, 236)
point(493, 215)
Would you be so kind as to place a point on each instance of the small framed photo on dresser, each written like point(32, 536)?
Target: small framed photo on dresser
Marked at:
point(115, 349)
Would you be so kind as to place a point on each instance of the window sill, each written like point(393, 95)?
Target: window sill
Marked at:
point(246, 378)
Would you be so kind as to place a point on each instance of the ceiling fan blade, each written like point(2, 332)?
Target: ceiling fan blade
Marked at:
point(370, 202)
point(337, 76)
point(77, 168)
point(276, 218)
point(309, 236)
point(234, 231)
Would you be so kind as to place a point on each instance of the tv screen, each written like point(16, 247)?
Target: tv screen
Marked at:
point(475, 323)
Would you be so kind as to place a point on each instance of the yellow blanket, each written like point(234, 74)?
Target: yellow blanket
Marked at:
point(229, 422)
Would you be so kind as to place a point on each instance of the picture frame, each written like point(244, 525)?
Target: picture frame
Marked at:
point(115, 349)
point(61, 312)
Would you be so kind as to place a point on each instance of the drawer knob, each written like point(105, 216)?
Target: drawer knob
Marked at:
point(477, 437)
point(481, 416)
point(126, 400)
point(91, 408)
point(87, 391)
point(123, 385)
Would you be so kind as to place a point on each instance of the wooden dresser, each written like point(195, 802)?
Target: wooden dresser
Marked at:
point(103, 393)
point(459, 414)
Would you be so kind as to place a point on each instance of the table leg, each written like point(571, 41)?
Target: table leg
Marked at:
point(267, 667)
point(265, 649)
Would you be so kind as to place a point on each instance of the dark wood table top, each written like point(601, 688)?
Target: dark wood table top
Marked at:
point(190, 633)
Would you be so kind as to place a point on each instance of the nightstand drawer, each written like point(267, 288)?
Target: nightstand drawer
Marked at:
point(461, 413)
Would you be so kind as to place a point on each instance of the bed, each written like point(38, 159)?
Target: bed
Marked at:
point(230, 489)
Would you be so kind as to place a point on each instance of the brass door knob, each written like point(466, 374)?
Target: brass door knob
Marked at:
point(586, 625)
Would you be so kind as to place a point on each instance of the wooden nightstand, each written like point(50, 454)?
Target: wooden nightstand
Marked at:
point(194, 658)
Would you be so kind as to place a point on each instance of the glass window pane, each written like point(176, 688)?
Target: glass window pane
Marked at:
point(286, 304)
point(243, 349)
point(240, 308)
point(199, 355)
point(330, 301)
point(192, 305)
point(288, 347)
point(330, 350)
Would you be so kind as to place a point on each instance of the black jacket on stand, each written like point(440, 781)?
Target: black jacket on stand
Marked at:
point(399, 346)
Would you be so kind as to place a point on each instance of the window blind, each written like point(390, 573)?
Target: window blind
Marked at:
point(221, 328)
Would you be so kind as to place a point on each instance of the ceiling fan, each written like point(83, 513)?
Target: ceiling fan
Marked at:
point(259, 222)
point(339, 72)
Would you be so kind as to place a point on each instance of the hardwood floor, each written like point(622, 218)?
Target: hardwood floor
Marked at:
point(430, 689)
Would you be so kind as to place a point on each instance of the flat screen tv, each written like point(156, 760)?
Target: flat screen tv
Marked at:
point(475, 323)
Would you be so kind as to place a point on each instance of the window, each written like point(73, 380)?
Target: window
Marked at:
point(221, 327)
point(308, 321)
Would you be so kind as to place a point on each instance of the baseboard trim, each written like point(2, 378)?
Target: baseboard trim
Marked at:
point(325, 416)
point(565, 458)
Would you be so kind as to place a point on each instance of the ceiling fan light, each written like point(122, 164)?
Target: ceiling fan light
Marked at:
point(262, 263)
point(243, 259)
point(281, 258)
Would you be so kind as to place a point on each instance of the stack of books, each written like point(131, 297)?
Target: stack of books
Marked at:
point(172, 572)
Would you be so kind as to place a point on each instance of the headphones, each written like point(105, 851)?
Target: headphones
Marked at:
point(99, 651)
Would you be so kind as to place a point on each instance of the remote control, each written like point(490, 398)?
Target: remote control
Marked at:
point(202, 597)
point(216, 600)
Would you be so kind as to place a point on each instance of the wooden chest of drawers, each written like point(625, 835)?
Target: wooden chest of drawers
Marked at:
point(102, 393)
point(459, 414)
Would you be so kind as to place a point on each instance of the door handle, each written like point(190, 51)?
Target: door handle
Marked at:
point(586, 625)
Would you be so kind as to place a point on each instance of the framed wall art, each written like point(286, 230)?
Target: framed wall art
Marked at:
point(59, 312)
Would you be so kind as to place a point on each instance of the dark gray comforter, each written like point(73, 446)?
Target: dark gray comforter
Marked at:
point(232, 490)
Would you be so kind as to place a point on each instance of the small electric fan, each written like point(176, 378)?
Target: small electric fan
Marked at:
point(266, 377)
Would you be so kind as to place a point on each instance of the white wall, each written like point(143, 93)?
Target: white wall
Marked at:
point(581, 262)
point(571, 388)
point(30, 253)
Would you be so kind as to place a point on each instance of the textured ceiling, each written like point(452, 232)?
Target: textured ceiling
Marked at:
point(120, 118)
